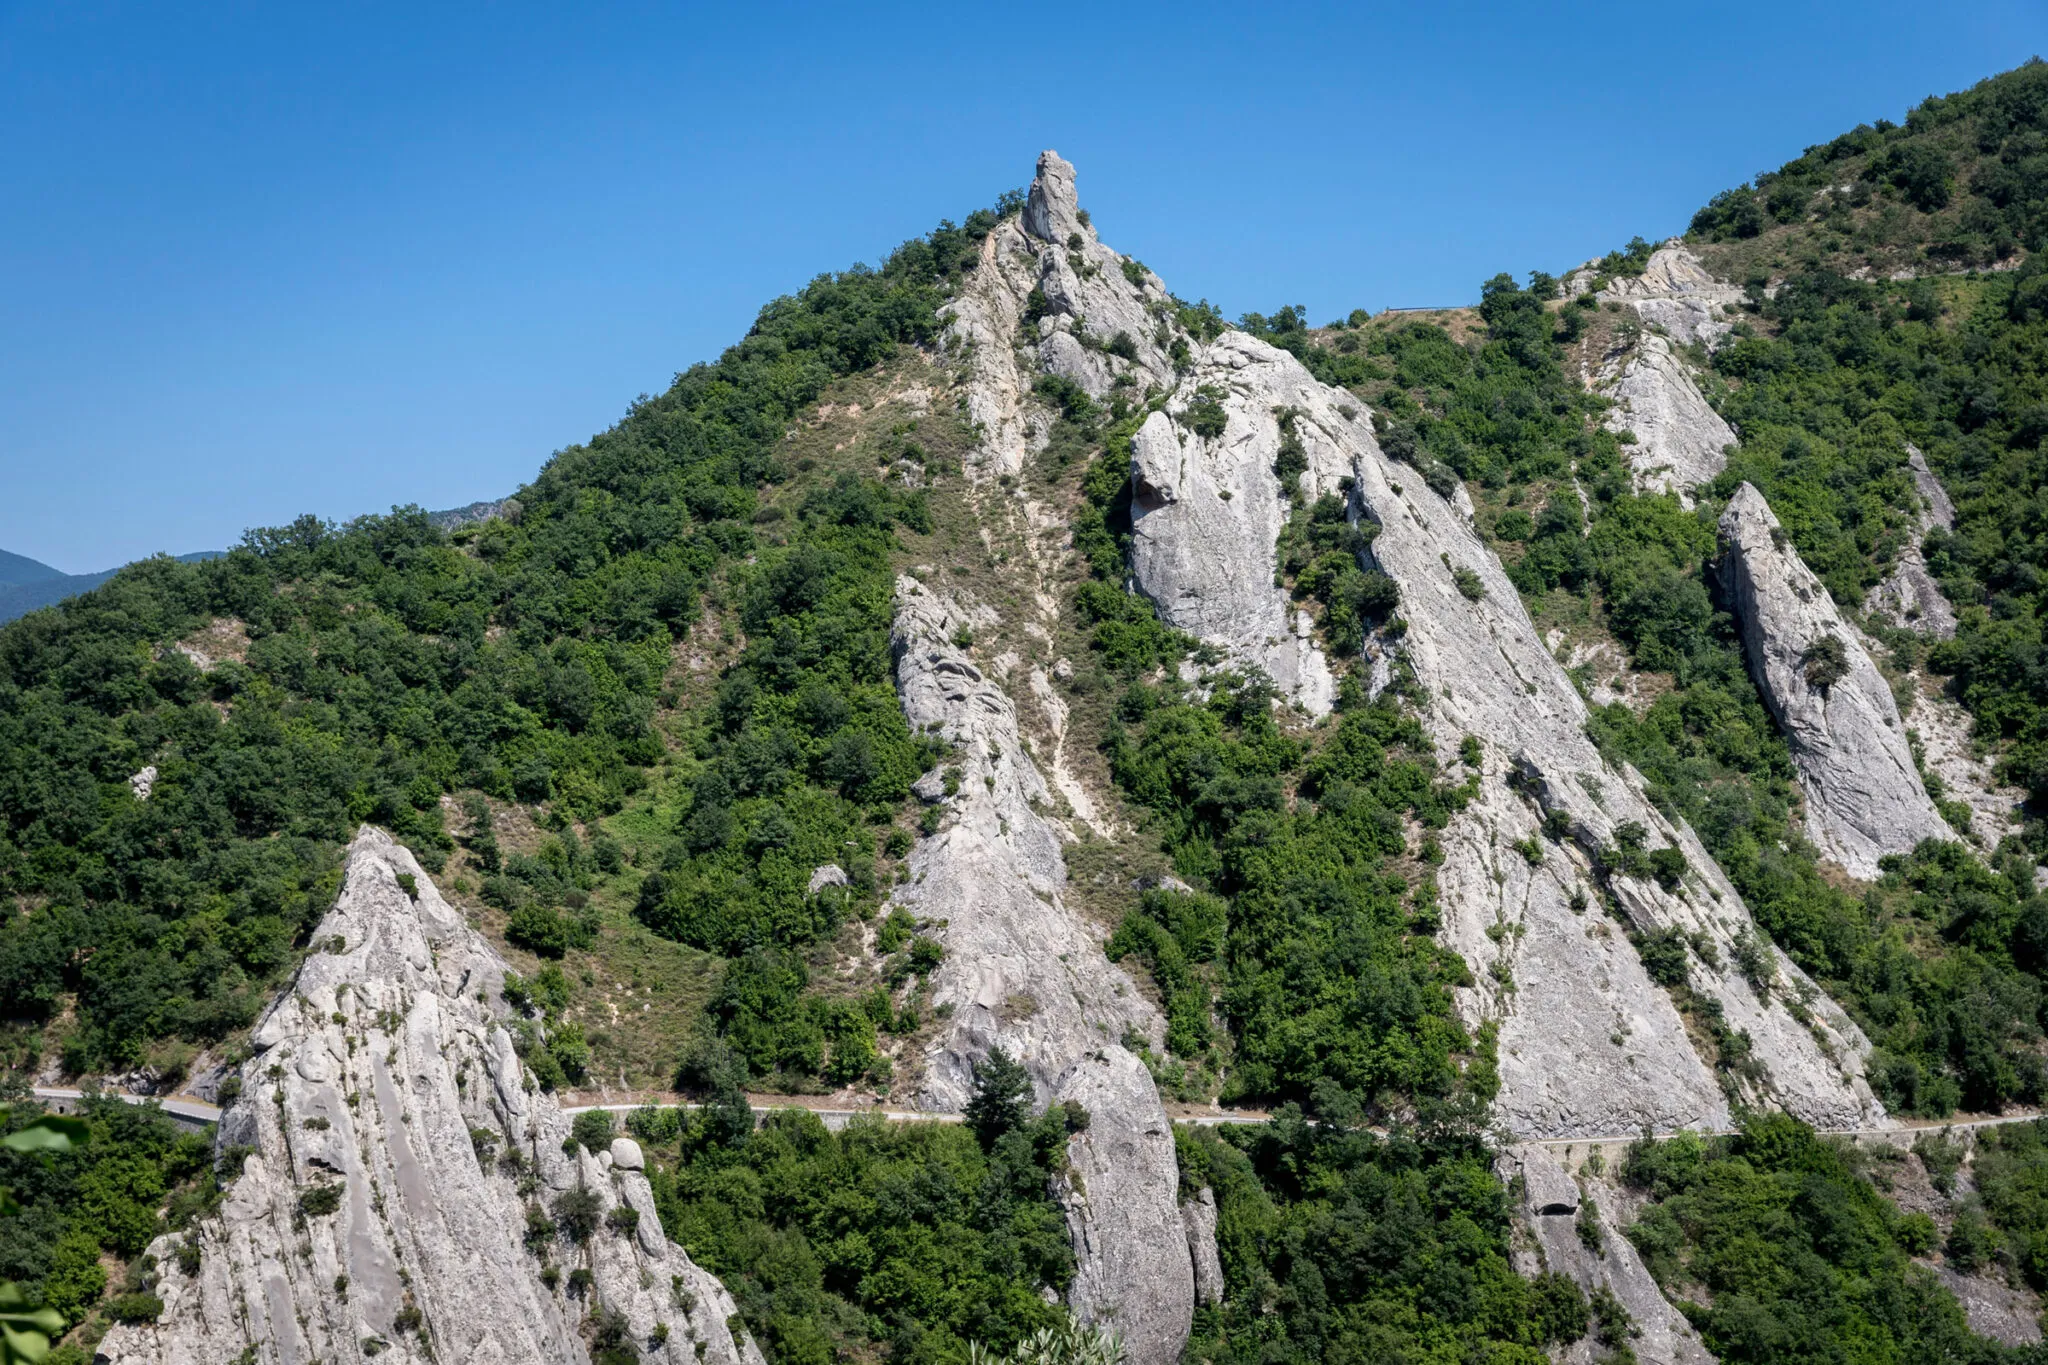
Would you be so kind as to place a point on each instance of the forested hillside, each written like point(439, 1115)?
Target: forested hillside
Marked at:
point(633, 720)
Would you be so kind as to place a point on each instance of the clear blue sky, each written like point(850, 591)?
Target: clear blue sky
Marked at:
point(258, 261)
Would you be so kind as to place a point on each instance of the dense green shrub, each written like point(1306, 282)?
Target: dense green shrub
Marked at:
point(1800, 1254)
point(1341, 1245)
point(916, 1237)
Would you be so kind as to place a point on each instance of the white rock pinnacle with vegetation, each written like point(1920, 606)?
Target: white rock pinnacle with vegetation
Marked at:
point(1681, 442)
point(381, 1211)
point(1909, 596)
point(1215, 506)
point(1023, 973)
point(1864, 795)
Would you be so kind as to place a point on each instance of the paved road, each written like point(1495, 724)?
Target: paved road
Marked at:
point(197, 1113)
point(184, 1109)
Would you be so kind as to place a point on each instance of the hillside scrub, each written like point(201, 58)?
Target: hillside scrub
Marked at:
point(911, 1239)
point(1790, 1251)
point(391, 663)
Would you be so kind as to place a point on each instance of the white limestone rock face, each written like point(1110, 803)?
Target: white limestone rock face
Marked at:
point(1909, 597)
point(1024, 973)
point(369, 1078)
point(1681, 442)
point(1864, 797)
point(1550, 1207)
point(1206, 511)
point(1676, 293)
point(1588, 1045)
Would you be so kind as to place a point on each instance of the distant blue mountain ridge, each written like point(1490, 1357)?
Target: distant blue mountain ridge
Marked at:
point(28, 585)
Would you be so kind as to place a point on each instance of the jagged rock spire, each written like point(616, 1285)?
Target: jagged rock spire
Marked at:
point(1053, 212)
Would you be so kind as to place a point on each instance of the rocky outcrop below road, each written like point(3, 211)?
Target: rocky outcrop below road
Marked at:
point(1909, 597)
point(1023, 973)
point(1553, 1204)
point(1864, 795)
point(399, 1157)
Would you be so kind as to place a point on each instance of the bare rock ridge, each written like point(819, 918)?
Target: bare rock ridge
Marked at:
point(1023, 973)
point(1864, 796)
point(1681, 442)
point(1552, 1202)
point(1213, 505)
point(1589, 1045)
point(1909, 597)
point(381, 1211)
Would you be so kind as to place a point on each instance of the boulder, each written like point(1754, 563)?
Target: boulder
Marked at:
point(1864, 795)
point(390, 1123)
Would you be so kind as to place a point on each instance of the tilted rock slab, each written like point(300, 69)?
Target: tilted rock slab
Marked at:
point(1215, 508)
point(1023, 973)
point(369, 1077)
point(1909, 597)
point(1588, 1044)
point(1551, 1204)
point(1681, 442)
point(1864, 796)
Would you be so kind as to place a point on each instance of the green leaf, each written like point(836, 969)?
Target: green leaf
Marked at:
point(50, 1133)
point(24, 1332)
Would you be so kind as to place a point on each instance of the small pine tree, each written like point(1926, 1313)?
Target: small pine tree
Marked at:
point(1002, 1094)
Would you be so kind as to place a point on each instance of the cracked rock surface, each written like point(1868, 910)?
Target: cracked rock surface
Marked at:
point(1024, 973)
point(386, 1075)
point(1864, 796)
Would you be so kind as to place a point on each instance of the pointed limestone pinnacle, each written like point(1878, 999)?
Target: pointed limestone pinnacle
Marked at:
point(1053, 212)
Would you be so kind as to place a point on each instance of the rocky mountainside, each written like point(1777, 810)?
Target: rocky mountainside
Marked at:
point(407, 1193)
point(1393, 836)
point(1206, 509)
